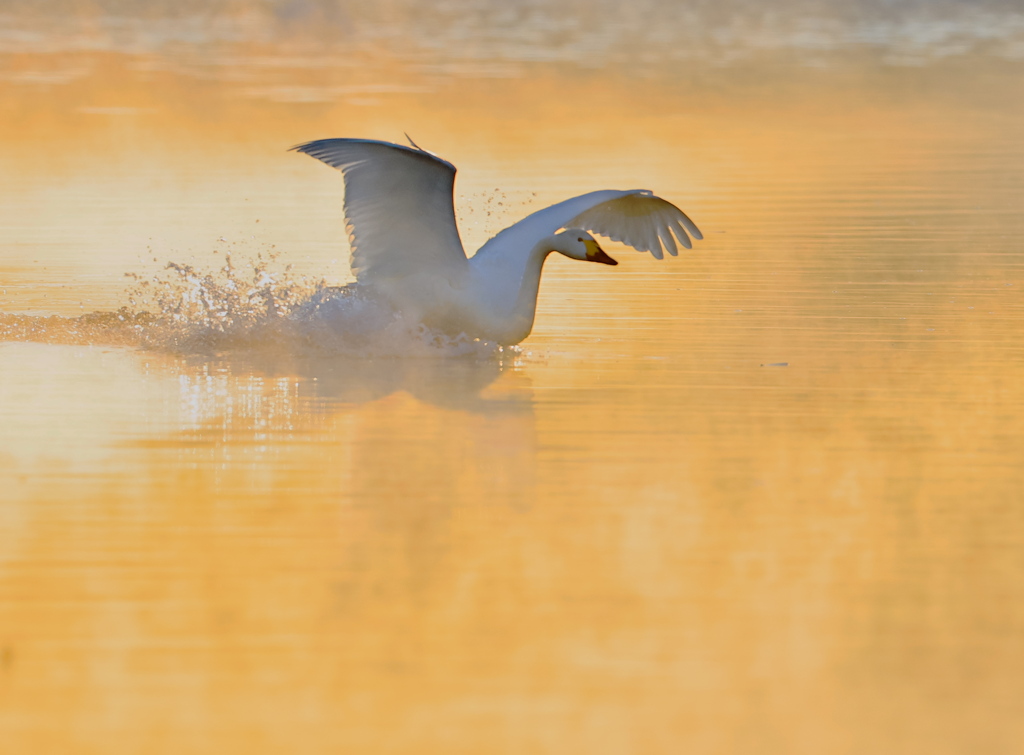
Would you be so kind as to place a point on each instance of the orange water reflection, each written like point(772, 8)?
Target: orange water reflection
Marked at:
point(762, 498)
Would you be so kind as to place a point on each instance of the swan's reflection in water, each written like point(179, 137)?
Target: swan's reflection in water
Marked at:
point(322, 383)
point(439, 427)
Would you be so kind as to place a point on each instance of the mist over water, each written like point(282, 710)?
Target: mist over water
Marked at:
point(760, 498)
point(592, 33)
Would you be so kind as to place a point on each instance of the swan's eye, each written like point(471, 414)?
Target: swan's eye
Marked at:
point(580, 239)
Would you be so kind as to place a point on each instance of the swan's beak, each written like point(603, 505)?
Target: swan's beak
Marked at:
point(597, 254)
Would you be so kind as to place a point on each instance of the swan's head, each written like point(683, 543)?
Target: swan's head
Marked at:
point(580, 245)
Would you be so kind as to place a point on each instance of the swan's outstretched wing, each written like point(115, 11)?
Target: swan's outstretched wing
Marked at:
point(398, 207)
point(636, 218)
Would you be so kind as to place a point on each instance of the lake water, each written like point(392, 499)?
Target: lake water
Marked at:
point(766, 497)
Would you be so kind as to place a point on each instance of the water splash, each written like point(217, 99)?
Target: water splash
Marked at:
point(120, 328)
point(258, 306)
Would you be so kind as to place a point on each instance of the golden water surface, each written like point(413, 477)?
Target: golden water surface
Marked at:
point(767, 497)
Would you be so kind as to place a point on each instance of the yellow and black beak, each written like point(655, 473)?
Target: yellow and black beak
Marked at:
point(597, 254)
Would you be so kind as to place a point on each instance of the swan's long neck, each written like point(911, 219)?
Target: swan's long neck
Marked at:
point(504, 302)
point(529, 287)
point(517, 323)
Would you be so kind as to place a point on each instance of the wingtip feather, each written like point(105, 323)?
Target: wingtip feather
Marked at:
point(669, 243)
point(305, 147)
point(691, 226)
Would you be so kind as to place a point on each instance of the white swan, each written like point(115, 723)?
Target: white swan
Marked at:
point(406, 249)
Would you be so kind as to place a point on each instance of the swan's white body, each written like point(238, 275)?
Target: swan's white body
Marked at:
point(407, 252)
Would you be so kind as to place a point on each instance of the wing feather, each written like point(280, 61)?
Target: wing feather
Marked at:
point(399, 211)
point(668, 241)
point(636, 218)
point(680, 233)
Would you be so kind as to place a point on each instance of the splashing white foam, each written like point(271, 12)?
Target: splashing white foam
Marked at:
point(259, 306)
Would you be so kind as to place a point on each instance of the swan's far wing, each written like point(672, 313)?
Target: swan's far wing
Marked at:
point(636, 218)
point(640, 220)
point(398, 207)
